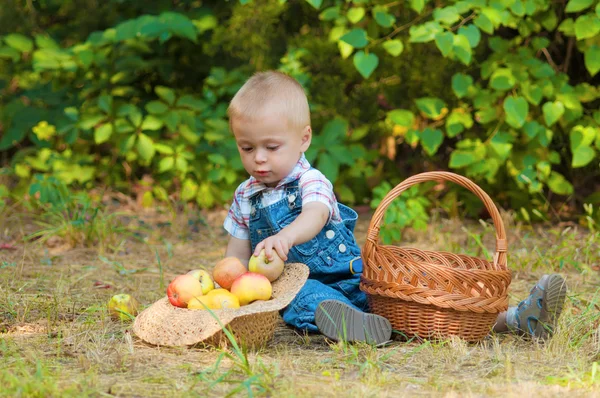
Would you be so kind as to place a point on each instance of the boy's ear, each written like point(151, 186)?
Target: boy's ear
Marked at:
point(306, 138)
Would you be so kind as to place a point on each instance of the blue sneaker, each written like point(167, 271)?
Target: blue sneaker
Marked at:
point(538, 314)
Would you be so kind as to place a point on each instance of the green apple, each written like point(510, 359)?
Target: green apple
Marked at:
point(123, 306)
point(205, 279)
point(260, 264)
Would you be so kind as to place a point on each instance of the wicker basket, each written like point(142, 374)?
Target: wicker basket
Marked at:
point(433, 294)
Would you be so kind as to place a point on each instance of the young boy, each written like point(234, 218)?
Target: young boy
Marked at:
point(289, 207)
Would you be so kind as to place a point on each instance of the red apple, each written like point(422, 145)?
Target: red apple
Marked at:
point(182, 289)
point(251, 286)
point(227, 270)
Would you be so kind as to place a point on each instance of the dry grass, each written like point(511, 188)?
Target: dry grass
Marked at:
point(56, 338)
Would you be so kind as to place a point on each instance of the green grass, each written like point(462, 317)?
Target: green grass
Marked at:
point(56, 338)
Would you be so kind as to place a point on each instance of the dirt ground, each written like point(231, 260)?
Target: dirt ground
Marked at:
point(56, 337)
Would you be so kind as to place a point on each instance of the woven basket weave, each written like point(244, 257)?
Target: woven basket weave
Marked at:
point(432, 294)
point(252, 325)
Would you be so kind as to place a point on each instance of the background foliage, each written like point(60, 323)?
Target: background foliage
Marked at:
point(130, 94)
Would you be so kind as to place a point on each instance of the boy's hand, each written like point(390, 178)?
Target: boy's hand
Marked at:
point(281, 243)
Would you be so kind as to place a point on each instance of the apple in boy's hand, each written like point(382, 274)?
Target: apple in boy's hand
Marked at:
point(227, 270)
point(260, 264)
point(250, 287)
point(182, 289)
point(123, 307)
point(204, 278)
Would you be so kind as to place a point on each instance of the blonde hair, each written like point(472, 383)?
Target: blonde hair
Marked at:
point(275, 90)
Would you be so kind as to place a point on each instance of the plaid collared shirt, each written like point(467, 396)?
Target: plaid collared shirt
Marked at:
point(313, 185)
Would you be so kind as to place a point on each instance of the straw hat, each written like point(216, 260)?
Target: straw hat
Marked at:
point(253, 324)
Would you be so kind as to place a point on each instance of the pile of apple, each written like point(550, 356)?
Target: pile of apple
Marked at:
point(231, 285)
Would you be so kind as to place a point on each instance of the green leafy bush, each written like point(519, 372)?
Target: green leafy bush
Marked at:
point(504, 92)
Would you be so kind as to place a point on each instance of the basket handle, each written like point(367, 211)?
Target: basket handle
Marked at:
point(501, 246)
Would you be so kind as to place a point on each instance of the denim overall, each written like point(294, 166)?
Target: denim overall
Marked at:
point(333, 256)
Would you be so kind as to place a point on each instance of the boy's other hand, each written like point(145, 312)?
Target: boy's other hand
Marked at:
point(280, 243)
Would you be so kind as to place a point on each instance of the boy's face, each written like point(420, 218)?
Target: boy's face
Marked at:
point(269, 147)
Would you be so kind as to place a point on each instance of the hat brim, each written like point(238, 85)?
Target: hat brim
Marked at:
point(166, 325)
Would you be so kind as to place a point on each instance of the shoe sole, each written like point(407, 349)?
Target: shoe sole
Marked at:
point(338, 321)
point(553, 302)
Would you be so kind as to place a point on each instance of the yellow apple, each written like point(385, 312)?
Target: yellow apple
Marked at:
point(204, 278)
point(260, 264)
point(123, 306)
point(227, 270)
point(182, 289)
point(251, 286)
point(201, 303)
point(222, 298)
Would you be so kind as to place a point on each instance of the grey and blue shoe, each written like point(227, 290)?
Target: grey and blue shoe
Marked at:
point(342, 322)
point(538, 314)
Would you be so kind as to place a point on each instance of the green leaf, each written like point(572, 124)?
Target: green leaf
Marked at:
point(581, 136)
point(461, 84)
point(472, 33)
point(329, 14)
point(152, 123)
point(552, 112)
point(357, 38)
point(164, 149)
point(329, 166)
point(145, 147)
point(559, 184)
point(8, 52)
point(444, 42)
point(461, 158)
point(355, 14)
point(484, 23)
point(179, 25)
point(532, 93)
point(188, 189)
point(157, 107)
point(167, 94)
point(417, 5)
point(393, 47)
point(447, 15)
point(431, 139)
point(19, 42)
point(424, 33)
point(462, 49)
point(592, 59)
point(458, 120)
point(103, 133)
point(432, 107)
point(191, 102)
point(517, 8)
point(315, 3)
point(587, 26)
point(401, 117)
point(502, 79)
point(578, 5)
point(582, 156)
point(365, 63)
point(516, 109)
point(166, 164)
point(105, 103)
point(383, 17)
point(501, 143)
point(11, 137)
point(89, 121)
point(172, 120)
